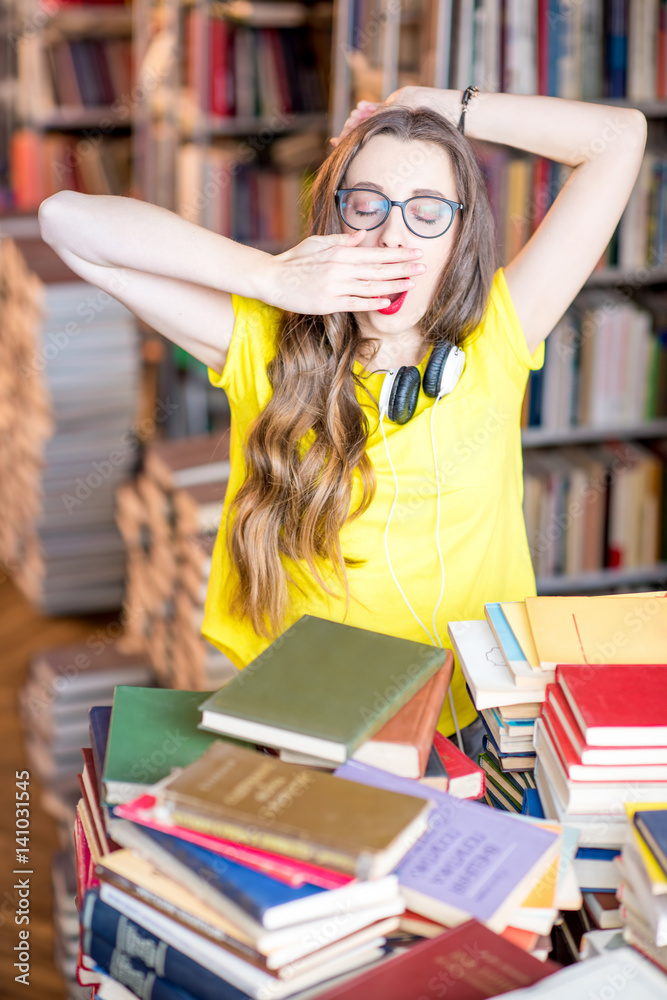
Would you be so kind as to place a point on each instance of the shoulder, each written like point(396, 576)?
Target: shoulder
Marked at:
point(253, 344)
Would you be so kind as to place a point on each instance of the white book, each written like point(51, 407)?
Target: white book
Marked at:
point(621, 973)
point(489, 679)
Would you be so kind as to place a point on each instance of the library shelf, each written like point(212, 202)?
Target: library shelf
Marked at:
point(643, 274)
point(99, 117)
point(602, 579)
point(538, 437)
point(276, 124)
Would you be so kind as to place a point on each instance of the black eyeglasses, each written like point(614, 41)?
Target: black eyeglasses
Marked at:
point(424, 215)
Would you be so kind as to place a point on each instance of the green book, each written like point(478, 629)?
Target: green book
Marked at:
point(153, 730)
point(322, 688)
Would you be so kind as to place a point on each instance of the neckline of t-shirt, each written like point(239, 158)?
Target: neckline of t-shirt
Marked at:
point(358, 367)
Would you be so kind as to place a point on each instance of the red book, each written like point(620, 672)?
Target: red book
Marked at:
point(469, 962)
point(617, 705)
point(543, 47)
point(661, 54)
point(465, 780)
point(402, 745)
point(288, 870)
point(218, 102)
point(598, 755)
point(576, 771)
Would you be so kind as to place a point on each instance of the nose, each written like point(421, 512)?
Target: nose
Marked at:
point(393, 231)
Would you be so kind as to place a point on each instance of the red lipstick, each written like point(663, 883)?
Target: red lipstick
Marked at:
point(395, 306)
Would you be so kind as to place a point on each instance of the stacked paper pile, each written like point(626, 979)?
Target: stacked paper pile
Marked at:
point(243, 875)
point(169, 517)
point(22, 439)
point(90, 359)
point(61, 686)
point(643, 888)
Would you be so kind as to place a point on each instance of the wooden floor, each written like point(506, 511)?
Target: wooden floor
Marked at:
point(22, 631)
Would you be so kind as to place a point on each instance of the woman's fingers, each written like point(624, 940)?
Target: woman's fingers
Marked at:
point(352, 303)
point(382, 288)
point(387, 271)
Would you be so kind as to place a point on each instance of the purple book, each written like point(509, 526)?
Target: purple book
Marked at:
point(472, 862)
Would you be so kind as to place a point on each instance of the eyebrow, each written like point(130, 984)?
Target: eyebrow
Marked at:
point(416, 191)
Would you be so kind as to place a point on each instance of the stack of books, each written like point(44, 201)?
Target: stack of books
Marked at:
point(233, 873)
point(61, 685)
point(643, 888)
point(601, 736)
point(23, 440)
point(91, 361)
point(168, 517)
point(507, 684)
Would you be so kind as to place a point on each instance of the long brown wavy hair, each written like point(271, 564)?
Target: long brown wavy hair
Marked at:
point(295, 500)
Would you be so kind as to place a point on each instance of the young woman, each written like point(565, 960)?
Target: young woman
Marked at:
point(399, 266)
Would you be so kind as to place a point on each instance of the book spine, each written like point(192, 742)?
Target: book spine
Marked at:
point(294, 847)
point(135, 974)
point(102, 923)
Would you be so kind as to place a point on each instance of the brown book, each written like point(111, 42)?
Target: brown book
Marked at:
point(303, 813)
point(189, 461)
point(402, 746)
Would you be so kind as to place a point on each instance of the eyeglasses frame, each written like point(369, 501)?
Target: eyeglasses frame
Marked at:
point(455, 205)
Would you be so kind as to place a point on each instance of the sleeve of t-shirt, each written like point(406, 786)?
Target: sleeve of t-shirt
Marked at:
point(252, 345)
point(507, 336)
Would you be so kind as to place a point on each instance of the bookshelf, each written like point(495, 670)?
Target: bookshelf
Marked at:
point(73, 111)
point(232, 122)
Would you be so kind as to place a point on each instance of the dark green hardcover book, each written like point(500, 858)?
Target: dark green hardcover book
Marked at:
point(153, 730)
point(322, 688)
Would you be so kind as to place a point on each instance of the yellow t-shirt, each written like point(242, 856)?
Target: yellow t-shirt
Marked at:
point(482, 530)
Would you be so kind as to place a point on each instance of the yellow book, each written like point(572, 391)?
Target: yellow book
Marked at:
point(620, 629)
point(517, 617)
point(655, 873)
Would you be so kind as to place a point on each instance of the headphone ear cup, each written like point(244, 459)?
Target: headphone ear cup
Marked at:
point(444, 369)
point(404, 394)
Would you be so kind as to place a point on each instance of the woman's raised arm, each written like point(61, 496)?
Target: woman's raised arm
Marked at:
point(603, 144)
point(173, 274)
point(179, 277)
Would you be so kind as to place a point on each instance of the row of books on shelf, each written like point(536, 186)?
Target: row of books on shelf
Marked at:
point(577, 731)
point(593, 508)
point(586, 50)
point(73, 73)
point(253, 72)
point(522, 189)
point(605, 366)
point(244, 202)
point(45, 162)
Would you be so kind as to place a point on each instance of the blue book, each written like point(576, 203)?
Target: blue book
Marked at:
point(503, 723)
point(106, 933)
point(597, 853)
point(507, 640)
point(617, 47)
point(532, 806)
point(471, 862)
point(234, 890)
point(137, 976)
point(652, 826)
point(99, 721)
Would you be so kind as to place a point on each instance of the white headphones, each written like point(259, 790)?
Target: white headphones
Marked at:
point(398, 401)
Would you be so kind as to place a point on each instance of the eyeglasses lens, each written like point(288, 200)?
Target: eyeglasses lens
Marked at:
point(424, 216)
